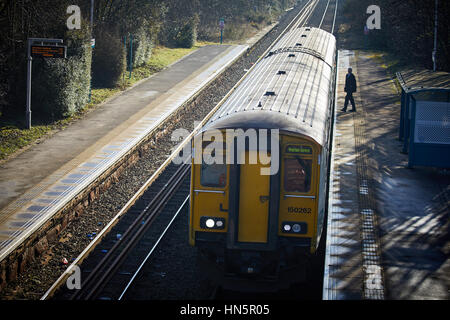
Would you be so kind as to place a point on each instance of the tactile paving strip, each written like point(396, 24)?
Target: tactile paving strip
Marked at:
point(371, 253)
point(343, 275)
point(352, 259)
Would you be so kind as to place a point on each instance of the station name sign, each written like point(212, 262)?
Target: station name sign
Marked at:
point(49, 51)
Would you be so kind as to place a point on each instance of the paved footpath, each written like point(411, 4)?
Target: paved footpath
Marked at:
point(388, 225)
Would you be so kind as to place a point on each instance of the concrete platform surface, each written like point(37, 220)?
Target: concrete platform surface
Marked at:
point(413, 204)
point(343, 276)
point(388, 226)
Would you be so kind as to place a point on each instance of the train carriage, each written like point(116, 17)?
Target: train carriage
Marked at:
point(260, 209)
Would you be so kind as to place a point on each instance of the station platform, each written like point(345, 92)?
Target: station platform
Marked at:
point(387, 225)
point(43, 179)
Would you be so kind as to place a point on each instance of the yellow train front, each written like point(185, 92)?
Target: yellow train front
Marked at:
point(260, 165)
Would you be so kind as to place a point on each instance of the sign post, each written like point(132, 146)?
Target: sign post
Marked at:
point(366, 33)
point(92, 46)
point(433, 55)
point(125, 46)
point(36, 48)
point(131, 55)
point(221, 25)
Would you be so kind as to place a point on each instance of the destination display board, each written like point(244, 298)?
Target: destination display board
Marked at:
point(49, 51)
point(297, 149)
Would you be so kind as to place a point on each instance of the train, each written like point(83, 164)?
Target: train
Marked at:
point(260, 166)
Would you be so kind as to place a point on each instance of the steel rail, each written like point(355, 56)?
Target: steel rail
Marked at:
point(335, 14)
point(153, 249)
point(106, 276)
point(105, 269)
point(324, 14)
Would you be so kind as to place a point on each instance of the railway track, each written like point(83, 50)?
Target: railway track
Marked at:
point(114, 259)
point(142, 215)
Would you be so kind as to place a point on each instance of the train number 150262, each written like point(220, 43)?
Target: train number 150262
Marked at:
point(299, 210)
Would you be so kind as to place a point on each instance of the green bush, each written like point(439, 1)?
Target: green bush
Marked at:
point(60, 87)
point(143, 43)
point(3, 84)
point(181, 36)
point(239, 15)
point(186, 36)
point(109, 60)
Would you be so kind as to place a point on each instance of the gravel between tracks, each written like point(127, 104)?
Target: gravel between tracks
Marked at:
point(42, 273)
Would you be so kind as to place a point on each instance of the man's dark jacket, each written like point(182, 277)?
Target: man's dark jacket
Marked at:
point(350, 83)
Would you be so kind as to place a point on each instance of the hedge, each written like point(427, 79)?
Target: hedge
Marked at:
point(109, 60)
point(60, 87)
point(182, 35)
point(143, 43)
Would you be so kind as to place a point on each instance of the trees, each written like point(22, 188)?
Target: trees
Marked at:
point(115, 20)
point(407, 29)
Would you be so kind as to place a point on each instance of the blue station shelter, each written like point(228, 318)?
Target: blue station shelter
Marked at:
point(425, 117)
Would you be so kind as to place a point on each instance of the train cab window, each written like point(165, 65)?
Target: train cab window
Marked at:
point(297, 174)
point(213, 175)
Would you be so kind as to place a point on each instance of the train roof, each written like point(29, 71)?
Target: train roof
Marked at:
point(289, 89)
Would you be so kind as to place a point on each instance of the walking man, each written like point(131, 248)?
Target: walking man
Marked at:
point(350, 87)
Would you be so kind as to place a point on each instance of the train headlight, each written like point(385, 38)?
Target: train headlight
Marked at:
point(212, 223)
point(294, 227)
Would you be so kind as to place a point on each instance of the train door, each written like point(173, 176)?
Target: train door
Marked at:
point(254, 196)
point(253, 200)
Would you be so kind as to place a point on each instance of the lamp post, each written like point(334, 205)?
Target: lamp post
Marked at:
point(92, 46)
point(92, 16)
point(433, 56)
point(131, 55)
point(221, 26)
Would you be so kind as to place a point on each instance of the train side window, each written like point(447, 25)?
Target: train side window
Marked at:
point(213, 175)
point(297, 174)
